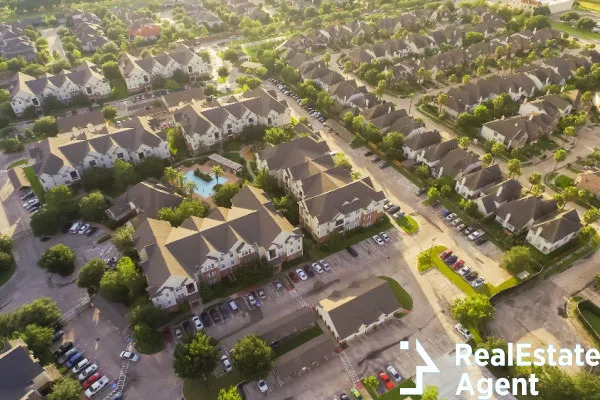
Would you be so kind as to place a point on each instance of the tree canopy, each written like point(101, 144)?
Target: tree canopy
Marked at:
point(195, 357)
point(253, 357)
point(473, 311)
point(59, 259)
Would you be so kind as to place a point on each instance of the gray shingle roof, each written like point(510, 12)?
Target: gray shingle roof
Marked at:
point(293, 153)
point(530, 208)
point(484, 177)
point(422, 140)
point(558, 227)
point(18, 371)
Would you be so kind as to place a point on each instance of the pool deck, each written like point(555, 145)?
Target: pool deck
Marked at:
point(231, 178)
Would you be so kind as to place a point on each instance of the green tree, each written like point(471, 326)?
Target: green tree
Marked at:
point(487, 159)
point(230, 393)
point(61, 199)
point(46, 222)
point(570, 131)
point(253, 357)
point(430, 393)
point(123, 237)
point(590, 216)
point(92, 206)
point(6, 261)
point(433, 194)
point(423, 171)
point(542, 10)
point(97, 178)
point(560, 155)
point(124, 174)
point(91, 273)
point(58, 259)
point(130, 276)
point(66, 389)
point(371, 382)
point(514, 168)
point(45, 126)
point(380, 88)
point(492, 343)
point(111, 71)
point(464, 142)
point(473, 311)
point(276, 135)
point(109, 112)
point(112, 288)
point(326, 58)
point(340, 160)
point(324, 101)
point(265, 181)
point(217, 172)
point(6, 243)
point(195, 357)
point(446, 191)
point(223, 71)
point(441, 100)
point(225, 193)
point(534, 179)
point(391, 145)
point(517, 259)
point(148, 314)
point(176, 140)
point(38, 338)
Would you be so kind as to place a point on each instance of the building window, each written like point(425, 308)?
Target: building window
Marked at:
point(141, 155)
point(339, 222)
point(35, 102)
point(74, 175)
point(269, 121)
point(191, 288)
point(251, 120)
point(120, 156)
point(272, 254)
point(146, 79)
point(92, 163)
point(190, 68)
point(88, 90)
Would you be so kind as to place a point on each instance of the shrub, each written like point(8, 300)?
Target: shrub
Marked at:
point(202, 175)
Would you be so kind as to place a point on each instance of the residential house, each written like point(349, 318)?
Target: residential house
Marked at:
point(202, 16)
point(61, 160)
point(140, 72)
point(397, 121)
point(517, 131)
point(363, 305)
point(554, 232)
point(414, 143)
point(497, 196)
point(207, 250)
point(518, 215)
point(205, 126)
point(14, 43)
point(456, 163)
point(314, 177)
point(146, 32)
point(86, 80)
point(144, 198)
point(344, 209)
point(23, 377)
point(324, 77)
point(350, 94)
point(90, 35)
point(277, 159)
point(180, 98)
point(470, 186)
point(552, 104)
point(432, 155)
point(417, 44)
point(589, 181)
point(90, 121)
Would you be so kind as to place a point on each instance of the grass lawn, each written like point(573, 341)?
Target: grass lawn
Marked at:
point(561, 26)
point(592, 317)
point(5, 275)
point(408, 223)
point(402, 295)
point(144, 349)
point(119, 89)
point(199, 389)
point(394, 394)
point(17, 163)
point(235, 156)
point(36, 186)
point(563, 181)
point(589, 6)
point(298, 340)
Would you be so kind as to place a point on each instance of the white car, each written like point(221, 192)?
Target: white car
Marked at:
point(75, 227)
point(463, 331)
point(128, 355)
point(29, 202)
point(392, 371)
point(96, 387)
point(378, 240)
point(477, 282)
point(251, 300)
point(464, 270)
point(450, 217)
point(197, 322)
point(384, 236)
point(262, 386)
point(83, 229)
point(325, 265)
point(301, 274)
point(226, 363)
point(398, 215)
point(318, 269)
point(476, 234)
point(81, 365)
point(87, 372)
point(457, 221)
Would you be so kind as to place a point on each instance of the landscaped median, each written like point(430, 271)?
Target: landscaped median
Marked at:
point(36, 186)
point(393, 394)
point(433, 260)
point(208, 389)
point(408, 224)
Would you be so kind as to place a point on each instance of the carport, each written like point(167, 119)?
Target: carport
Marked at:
point(303, 358)
point(18, 179)
point(289, 325)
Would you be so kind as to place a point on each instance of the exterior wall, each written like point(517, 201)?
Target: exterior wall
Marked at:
point(543, 245)
point(360, 331)
point(409, 153)
point(465, 192)
point(490, 134)
point(23, 100)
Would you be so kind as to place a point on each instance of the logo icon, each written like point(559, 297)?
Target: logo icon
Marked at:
point(428, 368)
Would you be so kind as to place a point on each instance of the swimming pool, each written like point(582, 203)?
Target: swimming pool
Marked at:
point(203, 188)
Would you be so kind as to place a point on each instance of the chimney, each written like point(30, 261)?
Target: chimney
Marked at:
point(390, 109)
point(531, 117)
point(499, 191)
point(507, 218)
point(538, 232)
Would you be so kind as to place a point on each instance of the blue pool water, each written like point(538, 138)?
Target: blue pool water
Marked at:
point(203, 188)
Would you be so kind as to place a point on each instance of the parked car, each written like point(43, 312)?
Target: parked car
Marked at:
point(352, 251)
point(421, 191)
point(356, 394)
point(68, 354)
point(74, 360)
point(31, 195)
point(378, 240)
point(261, 293)
point(205, 318)
point(277, 285)
point(325, 265)
point(461, 227)
point(367, 153)
point(376, 159)
point(301, 274)
point(451, 260)
point(458, 265)
point(233, 306)
point(456, 222)
point(384, 236)
point(398, 215)
point(445, 213)
point(464, 270)
point(293, 276)
point(214, 314)
point(317, 267)
point(476, 234)
point(463, 331)
point(471, 276)
point(481, 240)
point(91, 231)
point(87, 372)
point(445, 254)
point(187, 327)
point(62, 349)
point(477, 282)
point(344, 396)
point(96, 387)
point(450, 217)
point(385, 379)
point(80, 366)
point(394, 373)
point(262, 386)
point(91, 379)
point(384, 165)
point(128, 355)
point(226, 363)
point(308, 270)
point(29, 202)
point(224, 310)
point(393, 209)
point(75, 227)
point(83, 229)
point(58, 335)
point(197, 323)
point(35, 205)
point(468, 230)
point(387, 206)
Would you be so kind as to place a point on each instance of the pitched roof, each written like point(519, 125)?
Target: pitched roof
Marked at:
point(532, 127)
point(526, 209)
point(18, 368)
point(294, 152)
point(437, 151)
point(422, 140)
point(183, 97)
point(148, 197)
point(455, 162)
point(93, 118)
point(343, 200)
point(484, 177)
point(559, 226)
point(325, 181)
point(361, 303)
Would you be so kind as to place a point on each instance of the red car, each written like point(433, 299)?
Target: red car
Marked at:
point(294, 277)
point(458, 265)
point(386, 380)
point(91, 379)
point(445, 254)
